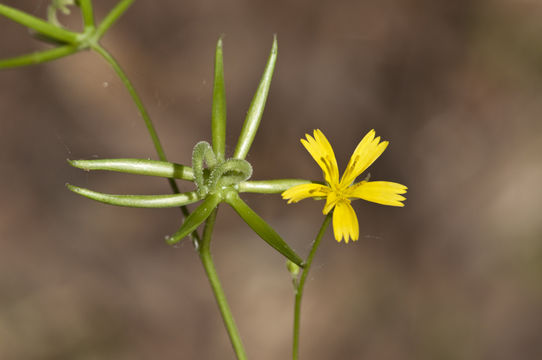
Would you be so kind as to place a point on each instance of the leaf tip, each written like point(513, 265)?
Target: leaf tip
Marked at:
point(172, 240)
point(274, 48)
point(71, 187)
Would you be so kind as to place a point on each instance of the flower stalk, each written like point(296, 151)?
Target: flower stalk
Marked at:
point(299, 286)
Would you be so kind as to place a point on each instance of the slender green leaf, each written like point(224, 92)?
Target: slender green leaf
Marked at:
point(195, 219)
point(137, 166)
point(218, 123)
point(39, 25)
point(270, 186)
point(264, 230)
point(38, 57)
point(142, 201)
point(255, 111)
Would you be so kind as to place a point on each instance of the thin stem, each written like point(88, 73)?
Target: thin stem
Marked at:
point(88, 14)
point(112, 17)
point(142, 110)
point(207, 261)
point(135, 97)
point(300, 286)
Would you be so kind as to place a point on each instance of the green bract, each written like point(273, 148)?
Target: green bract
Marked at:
point(217, 179)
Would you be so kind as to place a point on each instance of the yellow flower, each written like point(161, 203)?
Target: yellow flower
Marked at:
point(339, 192)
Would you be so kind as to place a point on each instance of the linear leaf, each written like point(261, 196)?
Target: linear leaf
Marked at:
point(262, 228)
point(137, 166)
point(255, 111)
point(141, 201)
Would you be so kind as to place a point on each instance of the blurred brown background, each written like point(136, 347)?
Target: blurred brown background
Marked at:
point(456, 274)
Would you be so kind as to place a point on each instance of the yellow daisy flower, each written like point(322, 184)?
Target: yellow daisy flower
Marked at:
point(339, 192)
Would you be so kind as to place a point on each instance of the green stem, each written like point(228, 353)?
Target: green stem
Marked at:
point(300, 286)
point(87, 12)
point(207, 261)
point(112, 17)
point(135, 97)
point(139, 104)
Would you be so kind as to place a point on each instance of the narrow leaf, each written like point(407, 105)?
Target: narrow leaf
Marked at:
point(270, 186)
point(38, 57)
point(137, 166)
point(218, 123)
point(255, 111)
point(264, 230)
point(39, 25)
point(141, 201)
point(195, 219)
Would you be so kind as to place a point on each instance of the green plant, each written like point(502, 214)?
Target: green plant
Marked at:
point(217, 178)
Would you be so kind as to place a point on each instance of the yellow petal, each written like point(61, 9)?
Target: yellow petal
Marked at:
point(367, 151)
point(322, 152)
point(380, 192)
point(303, 191)
point(345, 222)
point(331, 201)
